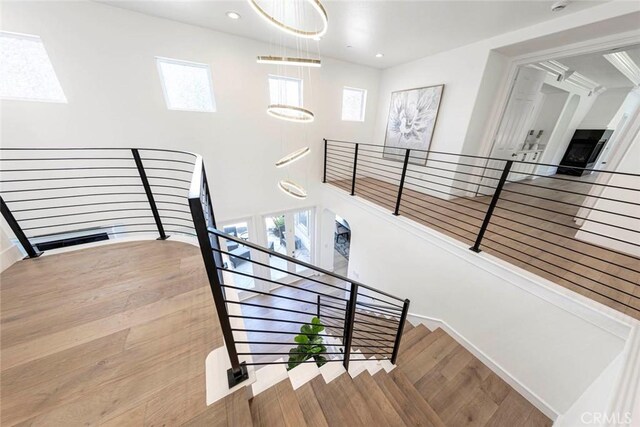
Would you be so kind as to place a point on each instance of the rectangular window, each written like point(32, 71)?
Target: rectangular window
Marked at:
point(26, 73)
point(186, 85)
point(354, 102)
point(285, 91)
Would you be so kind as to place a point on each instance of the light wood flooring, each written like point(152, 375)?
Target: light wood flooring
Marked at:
point(527, 235)
point(117, 335)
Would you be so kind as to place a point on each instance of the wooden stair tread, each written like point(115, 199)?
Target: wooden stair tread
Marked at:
point(376, 398)
point(413, 395)
point(277, 405)
point(311, 409)
point(409, 353)
point(332, 408)
point(406, 408)
point(413, 336)
point(422, 362)
point(354, 405)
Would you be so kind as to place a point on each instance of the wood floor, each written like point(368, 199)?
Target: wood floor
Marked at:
point(545, 246)
point(117, 335)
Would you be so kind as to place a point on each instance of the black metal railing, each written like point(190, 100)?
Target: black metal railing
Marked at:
point(580, 232)
point(356, 317)
point(52, 193)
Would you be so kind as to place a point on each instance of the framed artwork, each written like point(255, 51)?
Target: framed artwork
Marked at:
point(412, 119)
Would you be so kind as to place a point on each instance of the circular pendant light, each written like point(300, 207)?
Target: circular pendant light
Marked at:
point(292, 157)
point(292, 189)
point(298, 32)
point(290, 113)
point(286, 60)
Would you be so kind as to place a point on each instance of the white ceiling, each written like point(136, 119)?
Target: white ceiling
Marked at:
point(401, 30)
point(595, 67)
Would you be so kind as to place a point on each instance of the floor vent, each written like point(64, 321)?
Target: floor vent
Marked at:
point(71, 241)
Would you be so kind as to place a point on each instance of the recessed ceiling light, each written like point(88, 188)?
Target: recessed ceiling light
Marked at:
point(379, 55)
point(233, 15)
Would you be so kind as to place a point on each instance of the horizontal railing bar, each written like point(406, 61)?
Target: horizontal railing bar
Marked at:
point(286, 363)
point(388, 310)
point(360, 313)
point(64, 178)
point(71, 169)
point(555, 212)
point(87, 222)
point(157, 150)
point(73, 187)
point(476, 226)
point(81, 205)
point(296, 261)
point(475, 184)
point(288, 310)
point(431, 167)
point(101, 228)
point(72, 196)
point(571, 192)
point(262, 353)
point(376, 198)
point(64, 158)
point(397, 309)
point(169, 160)
point(408, 200)
point(556, 177)
point(268, 331)
point(370, 168)
point(564, 203)
point(169, 178)
point(377, 334)
point(154, 168)
point(277, 269)
point(339, 160)
point(467, 190)
point(443, 207)
point(562, 278)
point(277, 320)
point(558, 255)
point(269, 294)
point(412, 215)
point(85, 213)
point(391, 163)
point(571, 238)
point(168, 186)
point(339, 170)
point(476, 157)
point(448, 194)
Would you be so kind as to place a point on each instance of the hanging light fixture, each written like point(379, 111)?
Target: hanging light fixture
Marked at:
point(298, 32)
point(292, 189)
point(286, 60)
point(290, 113)
point(292, 157)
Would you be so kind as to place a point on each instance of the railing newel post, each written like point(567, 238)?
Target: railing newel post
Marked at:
point(492, 206)
point(401, 186)
point(403, 319)
point(348, 324)
point(149, 193)
point(355, 167)
point(31, 251)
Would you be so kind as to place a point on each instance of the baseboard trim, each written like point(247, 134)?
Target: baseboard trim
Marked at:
point(433, 323)
point(9, 256)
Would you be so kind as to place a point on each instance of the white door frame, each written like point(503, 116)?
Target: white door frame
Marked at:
point(589, 46)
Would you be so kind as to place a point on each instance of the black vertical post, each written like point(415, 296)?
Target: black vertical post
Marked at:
point(348, 324)
point(404, 173)
point(147, 189)
point(403, 319)
point(17, 230)
point(324, 174)
point(492, 205)
point(318, 314)
point(355, 165)
point(201, 222)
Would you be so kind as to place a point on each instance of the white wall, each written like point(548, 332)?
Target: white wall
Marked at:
point(604, 109)
point(544, 345)
point(104, 58)
point(550, 112)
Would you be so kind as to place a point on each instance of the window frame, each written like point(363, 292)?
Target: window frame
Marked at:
point(363, 106)
point(34, 37)
point(207, 67)
point(287, 78)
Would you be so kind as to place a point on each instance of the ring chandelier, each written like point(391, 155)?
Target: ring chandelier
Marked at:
point(290, 113)
point(286, 60)
point(292, 157)
point(292, 189)
point(298, 32)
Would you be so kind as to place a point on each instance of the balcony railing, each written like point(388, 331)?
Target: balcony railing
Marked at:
point(580, 232)
point(62, 193)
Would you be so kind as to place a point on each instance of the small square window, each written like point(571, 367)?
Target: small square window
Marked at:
point(186, 85)
point(285, 91)
point(26, 73)
point(354, 102)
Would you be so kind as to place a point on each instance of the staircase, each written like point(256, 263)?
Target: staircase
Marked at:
point(436, 382)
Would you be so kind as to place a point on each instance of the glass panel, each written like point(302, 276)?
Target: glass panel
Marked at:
point(302, 235)
point(276, 242)
point(241, 255)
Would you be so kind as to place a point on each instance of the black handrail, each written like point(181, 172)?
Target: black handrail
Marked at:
point(472, 199)
point(368, 318)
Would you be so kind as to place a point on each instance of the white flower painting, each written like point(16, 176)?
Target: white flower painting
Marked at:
point(412, 119)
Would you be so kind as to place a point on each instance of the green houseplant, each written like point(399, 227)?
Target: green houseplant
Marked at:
point(310, 345)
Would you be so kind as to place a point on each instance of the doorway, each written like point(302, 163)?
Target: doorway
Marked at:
point(290, 233)
point(341, 246)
